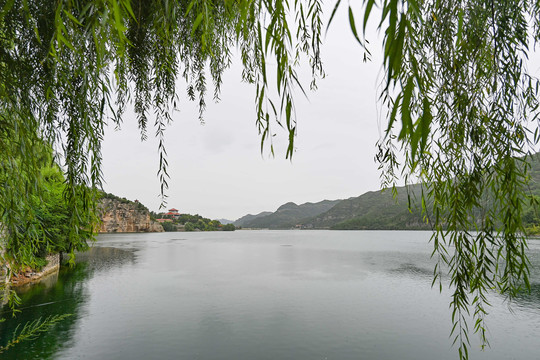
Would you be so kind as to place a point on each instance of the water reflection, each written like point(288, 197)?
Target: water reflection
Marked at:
point(529, 299)
point(413, 270)
point(419, 266)
point(107, 258)
point(65, 292)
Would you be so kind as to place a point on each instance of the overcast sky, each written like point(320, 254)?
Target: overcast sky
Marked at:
point(217, 169)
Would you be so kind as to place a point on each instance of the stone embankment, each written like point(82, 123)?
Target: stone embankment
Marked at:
point(125, 217)
point(25, 277)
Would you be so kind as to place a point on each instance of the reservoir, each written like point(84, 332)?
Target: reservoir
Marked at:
point(298, 295)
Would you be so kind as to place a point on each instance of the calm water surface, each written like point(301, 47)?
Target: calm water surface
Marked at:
point(262, 295)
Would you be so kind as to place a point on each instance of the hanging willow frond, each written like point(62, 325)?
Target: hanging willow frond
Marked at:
point(463, 108)
point(68, 66)
point(32, 329)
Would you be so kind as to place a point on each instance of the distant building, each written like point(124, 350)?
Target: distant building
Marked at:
point(173, 213)
point(163, 220)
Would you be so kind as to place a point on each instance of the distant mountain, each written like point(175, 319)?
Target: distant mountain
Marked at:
point(289, 215)
point(225, 221)
point(373, 210)
point(376, 210)
point(249, 217)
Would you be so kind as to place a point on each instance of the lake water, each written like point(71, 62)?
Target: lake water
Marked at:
point(262, 295)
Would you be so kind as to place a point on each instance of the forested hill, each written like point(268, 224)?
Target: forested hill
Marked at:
point(247, 218)
point(289, 215)
point(379, 210)
point(374, 210)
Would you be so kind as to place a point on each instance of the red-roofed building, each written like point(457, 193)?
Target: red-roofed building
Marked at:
point(173, 213)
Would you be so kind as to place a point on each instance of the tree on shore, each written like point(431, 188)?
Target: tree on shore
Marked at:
point(462, 106)
point(192, 223)
point(38, 223)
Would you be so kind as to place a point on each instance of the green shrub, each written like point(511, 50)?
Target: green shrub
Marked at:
point(228, 227)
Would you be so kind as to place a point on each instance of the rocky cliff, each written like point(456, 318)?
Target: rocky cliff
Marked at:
point(120, 215)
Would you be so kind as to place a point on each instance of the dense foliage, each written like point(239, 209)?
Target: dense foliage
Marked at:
point(51, 216)
point(463, 109)
point(169, 226)
point(189, 222)
point(42, 221)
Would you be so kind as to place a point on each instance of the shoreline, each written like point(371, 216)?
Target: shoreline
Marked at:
point(31, 276)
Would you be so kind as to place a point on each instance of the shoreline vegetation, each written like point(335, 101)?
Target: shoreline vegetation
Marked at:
point(175, 221)
point(35, 231)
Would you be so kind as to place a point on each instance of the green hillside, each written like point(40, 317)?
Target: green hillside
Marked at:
point(376, 210)
point(290, 214)
point(244, 219)
point(379, 210)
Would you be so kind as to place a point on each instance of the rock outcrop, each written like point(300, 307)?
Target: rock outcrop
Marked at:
point(123, 216)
